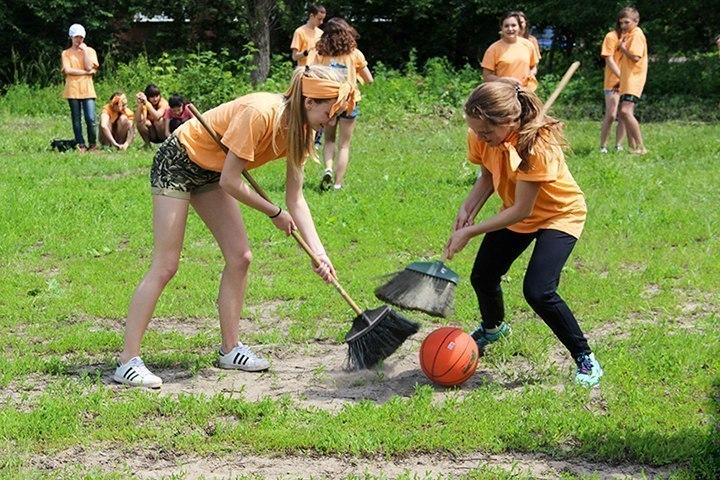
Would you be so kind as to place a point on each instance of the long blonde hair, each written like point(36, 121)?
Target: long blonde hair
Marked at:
point(502, 103)
point(292, 113)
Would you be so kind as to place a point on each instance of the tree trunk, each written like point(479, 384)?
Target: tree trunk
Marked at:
point(259, 12)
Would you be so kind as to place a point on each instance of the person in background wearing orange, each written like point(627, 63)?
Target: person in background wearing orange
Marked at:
point(116, 124)
point(337, 48)
point(611, 53)
point(150, 115)
point(519, 149)
point(306, 36)
point(633, 74)
point(190, 168)
point(79, 64)
point(513, 57)
point(525, 33)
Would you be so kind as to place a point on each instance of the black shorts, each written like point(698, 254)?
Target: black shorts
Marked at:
point(626, 97)
point(173, 174)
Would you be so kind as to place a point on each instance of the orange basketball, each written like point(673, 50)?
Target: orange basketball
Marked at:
point(448, 356)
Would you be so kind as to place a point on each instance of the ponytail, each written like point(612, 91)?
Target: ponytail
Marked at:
point(502, 103)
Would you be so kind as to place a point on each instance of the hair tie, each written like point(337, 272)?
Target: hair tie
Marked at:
point(517, 91)
point(307, 68)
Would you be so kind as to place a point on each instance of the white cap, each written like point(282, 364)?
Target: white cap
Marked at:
point(76, 30)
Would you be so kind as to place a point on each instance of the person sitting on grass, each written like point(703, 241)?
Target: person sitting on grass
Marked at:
point(520, 152)
point(116, 125)
point(177, 113)
point(189, 168)
point(150, 115)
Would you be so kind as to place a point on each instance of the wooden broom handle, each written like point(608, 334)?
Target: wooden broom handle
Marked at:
point(296, 235)
point(551, 99)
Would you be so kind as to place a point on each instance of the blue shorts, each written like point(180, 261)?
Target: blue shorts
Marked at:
point(626, 97)
point(352, 115)
point(610, 92)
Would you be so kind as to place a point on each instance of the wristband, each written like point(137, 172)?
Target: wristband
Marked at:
point(278, 213)
point(306, 53)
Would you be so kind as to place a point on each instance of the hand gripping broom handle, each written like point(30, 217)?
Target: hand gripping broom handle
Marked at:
point(296, 235)
point(551, 99)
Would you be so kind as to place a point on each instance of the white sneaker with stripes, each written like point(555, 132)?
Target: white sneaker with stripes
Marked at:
point(135, 373)
point(242, 358)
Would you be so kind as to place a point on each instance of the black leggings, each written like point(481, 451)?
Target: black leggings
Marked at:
point(552, 248)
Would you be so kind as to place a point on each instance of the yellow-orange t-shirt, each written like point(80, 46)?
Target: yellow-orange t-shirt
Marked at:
point(78, 86)
point(535, 43)
point(303, 39)
point(351, 64)
point(245, 127)
point(634, 74)
point(512, 60)
point(611, 48)
point(560, 204)
point(108, 110)
point(161, 104)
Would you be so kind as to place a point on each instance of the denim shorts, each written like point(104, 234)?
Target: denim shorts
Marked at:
point(173, 174)
point(352, 115)
point(610, 92)
point(626, 97)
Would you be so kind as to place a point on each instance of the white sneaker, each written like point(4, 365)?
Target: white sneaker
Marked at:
point(603, 150)
point(135, 373)
point(619, 148)
point(242, 358)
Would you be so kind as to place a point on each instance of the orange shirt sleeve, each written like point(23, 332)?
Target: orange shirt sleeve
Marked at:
point(489, 60)
point(609, 45)
point(476, 149)
point(544, 164)
point(298, 41)
point(244, 133)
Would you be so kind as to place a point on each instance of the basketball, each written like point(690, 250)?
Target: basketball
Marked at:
point(448, 356)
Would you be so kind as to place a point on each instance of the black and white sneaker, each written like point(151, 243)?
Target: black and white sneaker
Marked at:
point(135, 373)
point(242, 358)
point(326, 182)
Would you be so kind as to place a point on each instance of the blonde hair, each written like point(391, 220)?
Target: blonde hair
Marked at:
point(292, 114)
point(502, 103)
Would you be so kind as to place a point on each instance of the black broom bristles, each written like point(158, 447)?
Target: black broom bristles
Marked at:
point(375, 335)
point(419, 291)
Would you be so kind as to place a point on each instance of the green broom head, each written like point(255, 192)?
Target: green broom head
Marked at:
point(423, 286)
point(375, 335)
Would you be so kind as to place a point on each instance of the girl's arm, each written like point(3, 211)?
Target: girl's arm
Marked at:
point(295, 201)
point(481, 191)
point(610, 63)
point(130, 137)
point(627, 53)
point(489, 76)
point(366, 75)
point(105, 127)
point(167, 127)
point(525, 195)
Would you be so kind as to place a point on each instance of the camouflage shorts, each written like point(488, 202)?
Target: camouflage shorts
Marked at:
point(173, 174)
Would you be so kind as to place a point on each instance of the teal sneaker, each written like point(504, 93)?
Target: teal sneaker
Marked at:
point(483, 339)
point(588, 371)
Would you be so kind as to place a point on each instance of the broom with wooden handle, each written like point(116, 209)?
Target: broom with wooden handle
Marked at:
point(430, 286)
point(375, 334)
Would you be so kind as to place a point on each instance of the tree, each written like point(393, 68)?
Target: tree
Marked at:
point(259, 14)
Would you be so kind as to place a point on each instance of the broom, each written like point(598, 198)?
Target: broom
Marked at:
point(430, 286)
point(375, 334)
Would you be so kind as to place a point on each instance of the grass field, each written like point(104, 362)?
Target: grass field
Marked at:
point(75, 239)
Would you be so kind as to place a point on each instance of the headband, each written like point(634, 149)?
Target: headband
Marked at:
point(322, 88)
point(117, 99)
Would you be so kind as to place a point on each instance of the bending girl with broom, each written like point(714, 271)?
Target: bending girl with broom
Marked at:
point(191, 169)
point(519, 149)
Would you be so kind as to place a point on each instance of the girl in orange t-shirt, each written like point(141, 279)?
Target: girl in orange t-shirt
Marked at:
point(337, 48)
point(611, 53)
point(525, 33)
point(79, 64)
point(633, 74)
point(513, 57)
point(519, 150)
point(189, 168)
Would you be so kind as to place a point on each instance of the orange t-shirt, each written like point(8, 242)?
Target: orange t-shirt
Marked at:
point(78, 86)
point(560, 204)
point(245, 127)
point(114, 115)
point(512, 60)
point(634, 74)
point(535, 43)
point(303, 39)
point(161, 104)
point(611, 48)
point(351, 63)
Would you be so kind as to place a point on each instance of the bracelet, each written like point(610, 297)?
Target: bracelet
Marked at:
point(306, 53)
point(278, 213)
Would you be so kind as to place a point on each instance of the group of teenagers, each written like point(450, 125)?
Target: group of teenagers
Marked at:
point(517, 146)
point(154, 117)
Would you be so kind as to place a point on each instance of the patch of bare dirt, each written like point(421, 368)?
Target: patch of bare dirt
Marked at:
point(153, 465)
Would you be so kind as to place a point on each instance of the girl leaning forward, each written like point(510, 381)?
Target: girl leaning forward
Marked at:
point(520, 152)
point(190, 169)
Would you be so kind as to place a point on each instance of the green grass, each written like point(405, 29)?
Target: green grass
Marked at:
point(75, 238)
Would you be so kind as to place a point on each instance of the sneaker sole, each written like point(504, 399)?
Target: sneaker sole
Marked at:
point(244, 368)
point(126, 382)
point(326, 182)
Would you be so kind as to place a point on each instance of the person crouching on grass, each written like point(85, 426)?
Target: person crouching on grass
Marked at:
point(116, 125)
point(189, 168)
point(150, 115)
point(520, 153)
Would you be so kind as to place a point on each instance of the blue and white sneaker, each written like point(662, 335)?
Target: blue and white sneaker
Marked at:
point(483, 338)
point(588, 371)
